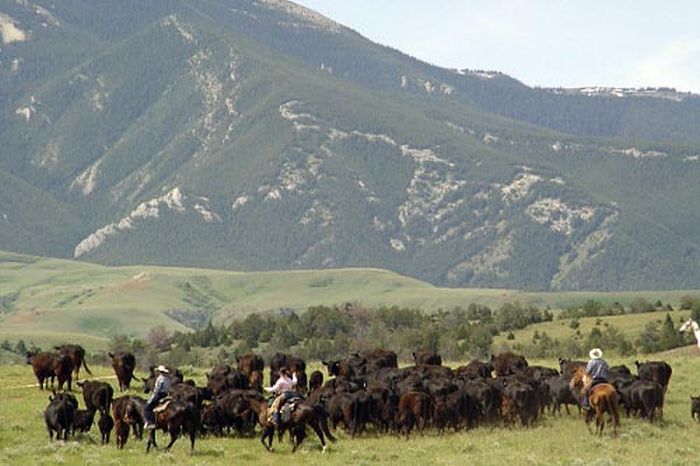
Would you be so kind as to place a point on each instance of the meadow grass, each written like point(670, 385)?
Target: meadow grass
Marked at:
point(553, 440)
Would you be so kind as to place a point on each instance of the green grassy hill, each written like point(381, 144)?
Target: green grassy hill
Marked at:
point(58, 300)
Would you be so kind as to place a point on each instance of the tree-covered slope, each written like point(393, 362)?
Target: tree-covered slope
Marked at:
point(258, 135)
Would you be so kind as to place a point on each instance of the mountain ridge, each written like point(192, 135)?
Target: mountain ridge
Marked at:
point(257, 136)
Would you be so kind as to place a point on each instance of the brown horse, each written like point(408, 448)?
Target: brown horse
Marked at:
point(178, 416)
point(602, 399)
point(315, 416)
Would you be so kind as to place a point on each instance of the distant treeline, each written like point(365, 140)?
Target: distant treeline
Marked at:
point(329, 332)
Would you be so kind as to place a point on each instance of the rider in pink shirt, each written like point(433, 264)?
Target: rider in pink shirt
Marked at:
point(284, 389)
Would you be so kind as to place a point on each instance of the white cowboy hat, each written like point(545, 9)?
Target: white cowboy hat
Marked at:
point(596, 353)
point(163, 369)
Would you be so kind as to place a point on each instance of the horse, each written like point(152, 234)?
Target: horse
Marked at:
point(313, 415)
point(691, 326)
point(602, 399)
point(175, 416)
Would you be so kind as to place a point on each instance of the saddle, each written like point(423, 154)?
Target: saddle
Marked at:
point(163, 405)
point(288, 408)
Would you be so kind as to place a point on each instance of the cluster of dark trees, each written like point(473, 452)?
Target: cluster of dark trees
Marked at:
point(327, 332)
point(594, 308)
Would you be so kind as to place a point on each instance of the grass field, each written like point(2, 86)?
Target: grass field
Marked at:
point(554, 440)
point(630, 325)
point(51, 300)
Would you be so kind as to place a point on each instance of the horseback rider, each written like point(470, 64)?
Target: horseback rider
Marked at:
point(160, 390)
point(284, 390)
point(596, 372)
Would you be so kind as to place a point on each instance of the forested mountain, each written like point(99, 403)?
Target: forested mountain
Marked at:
point(260, 135)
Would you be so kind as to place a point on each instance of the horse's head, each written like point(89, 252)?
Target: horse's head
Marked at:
point(577, 379)
point(688, 326)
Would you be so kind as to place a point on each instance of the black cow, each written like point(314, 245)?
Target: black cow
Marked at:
point(59, 414)
point(427, 358)
point(315, 381)
point(475, 369)
point(560, 393)
point(124, 364)
point(97, 395)
point(507, 363)
point(656, 371)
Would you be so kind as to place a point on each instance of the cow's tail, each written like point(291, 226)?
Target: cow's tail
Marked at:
point(85, 366)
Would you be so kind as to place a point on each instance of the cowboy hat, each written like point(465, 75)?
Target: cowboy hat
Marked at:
point(163, 369)
point(596, 353)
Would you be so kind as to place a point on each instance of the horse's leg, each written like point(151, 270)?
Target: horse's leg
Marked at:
point(151, 440)
point(193, 435)
point(174, 433)
point(324, 425)
point(319, 432)
point(267, 434)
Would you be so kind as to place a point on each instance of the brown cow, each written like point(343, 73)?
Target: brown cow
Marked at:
point(43, 366)
point(128, 412)
point(124, 364)
point(76, 353)
point(415, 408)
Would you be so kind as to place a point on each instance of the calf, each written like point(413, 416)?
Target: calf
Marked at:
point(82, 420)
point(106, 424)
point(695, 407)
point(59, 414)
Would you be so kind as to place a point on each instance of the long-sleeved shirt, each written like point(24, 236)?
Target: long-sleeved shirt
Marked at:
point(161, 387)
point(597, 369)
point(283, 384)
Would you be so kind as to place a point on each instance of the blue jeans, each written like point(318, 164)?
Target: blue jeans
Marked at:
point(148, 414)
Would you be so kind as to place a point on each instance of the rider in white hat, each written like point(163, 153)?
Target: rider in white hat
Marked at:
point(160, 390)
point(597, 372)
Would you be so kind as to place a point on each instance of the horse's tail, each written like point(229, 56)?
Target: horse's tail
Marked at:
point(613, 408)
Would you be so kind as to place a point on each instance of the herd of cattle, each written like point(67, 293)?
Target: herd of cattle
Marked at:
point(365, 390)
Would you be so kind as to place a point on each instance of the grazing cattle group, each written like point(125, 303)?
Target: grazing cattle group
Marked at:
point(365, 391)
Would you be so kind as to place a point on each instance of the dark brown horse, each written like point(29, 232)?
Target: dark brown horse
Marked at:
point(602, 399)
point(178, 416)
point(304, 414)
